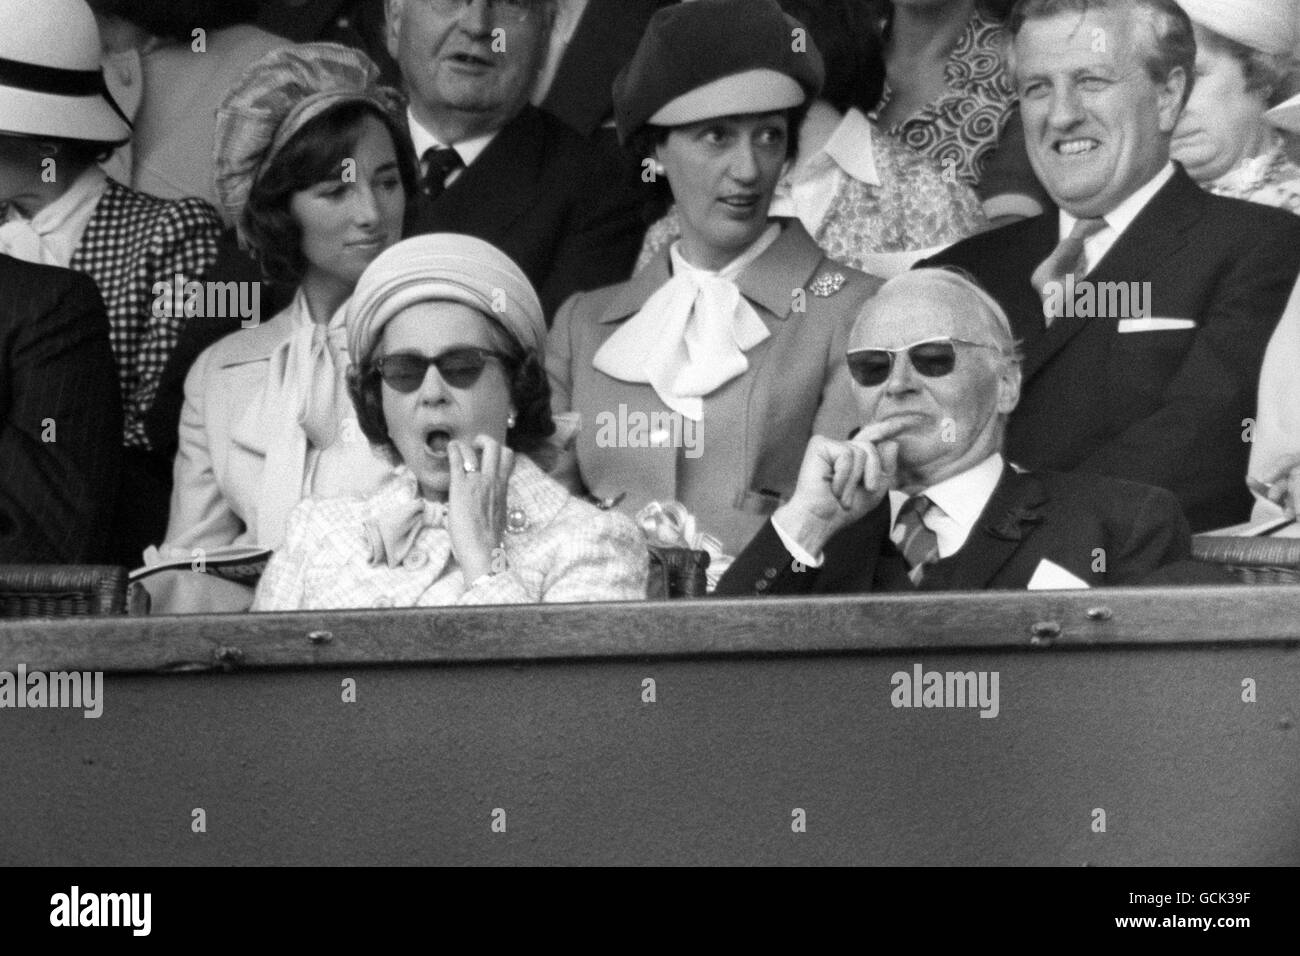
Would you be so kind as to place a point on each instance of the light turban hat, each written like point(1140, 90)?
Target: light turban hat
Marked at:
point(1264, 25)
point(443, 267)
point(275, 98)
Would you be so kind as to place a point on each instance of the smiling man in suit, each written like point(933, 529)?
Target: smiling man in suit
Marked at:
point(1143, 304)
point(568, 210)
point(922, 496)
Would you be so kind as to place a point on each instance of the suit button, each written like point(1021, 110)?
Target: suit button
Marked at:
point(415, 560)
point(771, 573)
point(761, 586)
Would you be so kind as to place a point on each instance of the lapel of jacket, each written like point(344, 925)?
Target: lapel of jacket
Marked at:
point(1154, 238)
point(499, 186)
point(1008, 518)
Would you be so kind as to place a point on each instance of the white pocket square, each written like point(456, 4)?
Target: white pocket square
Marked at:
point(1155, 325)
point(1049, 576)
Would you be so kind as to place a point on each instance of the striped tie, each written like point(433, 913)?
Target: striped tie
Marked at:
point(918, 544)
point(1065, 259)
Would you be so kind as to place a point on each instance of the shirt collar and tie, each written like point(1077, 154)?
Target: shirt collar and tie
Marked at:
point(441, 164)
point(1084, 242)
point(955, 505)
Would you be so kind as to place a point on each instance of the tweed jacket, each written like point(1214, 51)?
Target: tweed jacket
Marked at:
point(60, 417)
point(754, 428)
point(556, 549)
point(132, 243)
point(1101, 531)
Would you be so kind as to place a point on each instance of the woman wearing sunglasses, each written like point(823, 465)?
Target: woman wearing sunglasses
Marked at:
point(448, 339)
point(314, 169)
point(700, 379)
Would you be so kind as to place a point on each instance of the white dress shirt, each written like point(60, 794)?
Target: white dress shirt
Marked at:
point(1117, 220)
point(423, 140)
point(957, 503)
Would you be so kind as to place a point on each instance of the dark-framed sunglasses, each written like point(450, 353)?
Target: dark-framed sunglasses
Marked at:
point(933, 358)
point(503, 11)
point(459, 368)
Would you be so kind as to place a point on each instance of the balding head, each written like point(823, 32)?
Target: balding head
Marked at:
point(949, 422)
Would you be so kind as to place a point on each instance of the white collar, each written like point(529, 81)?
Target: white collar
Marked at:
point(851, 148)
point(962, 499)
point(1122, 216)
point(736, 266)
point(424, 140)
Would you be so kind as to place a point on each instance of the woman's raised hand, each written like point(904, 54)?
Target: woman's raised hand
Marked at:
point(476, 502)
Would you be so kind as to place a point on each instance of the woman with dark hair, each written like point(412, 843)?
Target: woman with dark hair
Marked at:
point(57, 207)
point(699, 379)
point(448, 339)
point(868, 200)
point(180, 56)
point(314, 168)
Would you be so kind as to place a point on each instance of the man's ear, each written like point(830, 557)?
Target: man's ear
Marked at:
point(1008, 387)
point(393, 11)
point(1169, 99)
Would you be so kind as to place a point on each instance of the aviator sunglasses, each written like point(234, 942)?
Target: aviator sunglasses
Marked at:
point(933, 358)
point(459, 368)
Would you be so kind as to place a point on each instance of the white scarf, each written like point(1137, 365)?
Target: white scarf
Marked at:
point(690, 337)
point(51, 236)
point(304, 407)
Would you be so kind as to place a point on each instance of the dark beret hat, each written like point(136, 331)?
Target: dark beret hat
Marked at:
point(709, 58)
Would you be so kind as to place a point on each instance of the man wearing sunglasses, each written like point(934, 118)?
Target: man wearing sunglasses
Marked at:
point(1143, 303)
point(922, 496)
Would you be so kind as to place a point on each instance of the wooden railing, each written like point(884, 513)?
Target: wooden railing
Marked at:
point(682, 732)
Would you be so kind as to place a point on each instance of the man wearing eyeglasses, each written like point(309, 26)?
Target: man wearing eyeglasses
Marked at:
point(922, 496)
point(565, 208)
point(1143, 303)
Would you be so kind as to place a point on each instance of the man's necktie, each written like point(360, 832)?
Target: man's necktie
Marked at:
point(1064, 260)
point(918, 544)
point(439, 163)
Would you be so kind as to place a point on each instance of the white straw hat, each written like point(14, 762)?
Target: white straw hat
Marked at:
point(1265, 25)
point(1286, 115)
point(51, 82)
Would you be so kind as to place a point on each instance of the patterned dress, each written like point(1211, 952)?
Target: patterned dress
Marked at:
point(915, 208)
point(961, 129)
point(1270, 179)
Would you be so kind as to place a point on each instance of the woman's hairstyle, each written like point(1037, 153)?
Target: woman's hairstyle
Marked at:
point(1266, 73)
point(314, 154)
point(530, 394)
point(178, 19)
point(846, 34)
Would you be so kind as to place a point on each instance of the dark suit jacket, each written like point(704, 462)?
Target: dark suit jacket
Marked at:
point(1081, 522)
point(608, 34)
point(1161, 407)
point(60, 417)
point(564, 208)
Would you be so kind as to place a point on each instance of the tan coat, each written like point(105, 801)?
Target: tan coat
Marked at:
point(220, 463)
point(733, 468)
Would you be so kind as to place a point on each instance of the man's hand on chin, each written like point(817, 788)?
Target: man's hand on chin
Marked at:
point(839, 482)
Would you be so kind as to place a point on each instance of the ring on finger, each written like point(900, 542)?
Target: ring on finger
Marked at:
point(470, 467)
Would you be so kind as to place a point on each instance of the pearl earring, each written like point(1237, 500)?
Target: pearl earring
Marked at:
point(510, 420)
